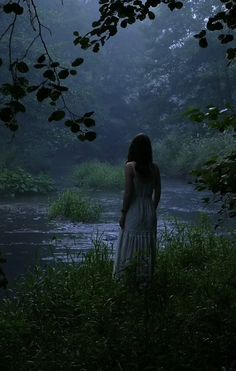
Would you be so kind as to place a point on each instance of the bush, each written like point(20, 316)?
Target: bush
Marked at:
point(179, 155)
point(18, 181)
point(69, 317)
point(75, 207)
point(100, 175)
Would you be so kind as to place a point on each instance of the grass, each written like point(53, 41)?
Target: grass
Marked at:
point(70, 317)
point(75, 207)
point(99, 175)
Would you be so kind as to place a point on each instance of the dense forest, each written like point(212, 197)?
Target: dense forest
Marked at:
point(143, 79)
point(79, 79)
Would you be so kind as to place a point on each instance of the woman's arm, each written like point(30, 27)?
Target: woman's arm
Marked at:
point(157, 189)
point(128, 193)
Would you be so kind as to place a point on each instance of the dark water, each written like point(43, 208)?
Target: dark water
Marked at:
point(28, 237)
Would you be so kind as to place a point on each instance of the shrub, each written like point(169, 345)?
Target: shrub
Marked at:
point(69, 317)
point(100, 175)
point(18, 181)
point(179, 155)
point(75, 207)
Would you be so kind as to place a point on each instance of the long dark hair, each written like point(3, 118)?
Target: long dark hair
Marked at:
point(140, 151)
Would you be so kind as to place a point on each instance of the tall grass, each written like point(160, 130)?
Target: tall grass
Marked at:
point(99, 175)
point(69, 317)
point(75, 207)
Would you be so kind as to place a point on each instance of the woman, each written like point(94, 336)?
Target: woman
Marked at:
point(137, 241)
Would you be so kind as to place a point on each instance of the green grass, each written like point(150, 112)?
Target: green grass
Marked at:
point(70, 317)
point(75, 207)
point(19, 181)
point(99, 175)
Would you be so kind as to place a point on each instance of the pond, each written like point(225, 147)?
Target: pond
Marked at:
point(28, 237)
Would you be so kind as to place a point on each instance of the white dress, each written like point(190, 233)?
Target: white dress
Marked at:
point(136, 246)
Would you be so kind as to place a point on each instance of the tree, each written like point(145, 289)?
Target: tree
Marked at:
point(50, 86)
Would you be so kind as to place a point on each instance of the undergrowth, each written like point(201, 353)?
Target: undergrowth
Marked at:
point(70, 317)
point(19, 181)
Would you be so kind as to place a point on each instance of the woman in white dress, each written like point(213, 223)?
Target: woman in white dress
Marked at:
point(137, 241)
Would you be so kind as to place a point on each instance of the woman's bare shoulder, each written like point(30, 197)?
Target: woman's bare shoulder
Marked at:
point(130, 166)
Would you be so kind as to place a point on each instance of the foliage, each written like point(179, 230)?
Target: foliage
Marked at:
point(75, 207)
point(178, 154)
point(19, 181)
point(49, 86)
point(69, 317)
point(99, 175)
point(116, 14)
point(218, 174)
point(51, 72)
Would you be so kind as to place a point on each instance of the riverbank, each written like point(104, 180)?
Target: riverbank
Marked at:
point(67, 317)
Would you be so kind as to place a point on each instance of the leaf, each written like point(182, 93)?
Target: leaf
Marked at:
point(88, 122)
point(7, 8)
point(49, 74)
point(178, 5)
point(90, 136)
point(55, 95)
point(203, 42)
point(171, 6)
point(231, 53)
point(39, 65)
point(73, 72)
point(77, 62)
point(13, 127)
point(43, 93)
point(154, 3)
point(151, 15)
point(88, 114)
point(77, 40)
point(41, 59)
point(124, 23)
point(75, 128)
point(22, 67)
point(17, 9)
point(112, 30)
point(226, 39)
point(84, 42)
point(55, 64)
point(57, 116)
point(200, 34)
point(6, 114)
point(63, 74)
point(96, 24)
point(96, 48)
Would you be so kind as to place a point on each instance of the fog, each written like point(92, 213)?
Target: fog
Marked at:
point(143, 80)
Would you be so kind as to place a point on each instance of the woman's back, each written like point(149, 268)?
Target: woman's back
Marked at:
point(137, 240)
